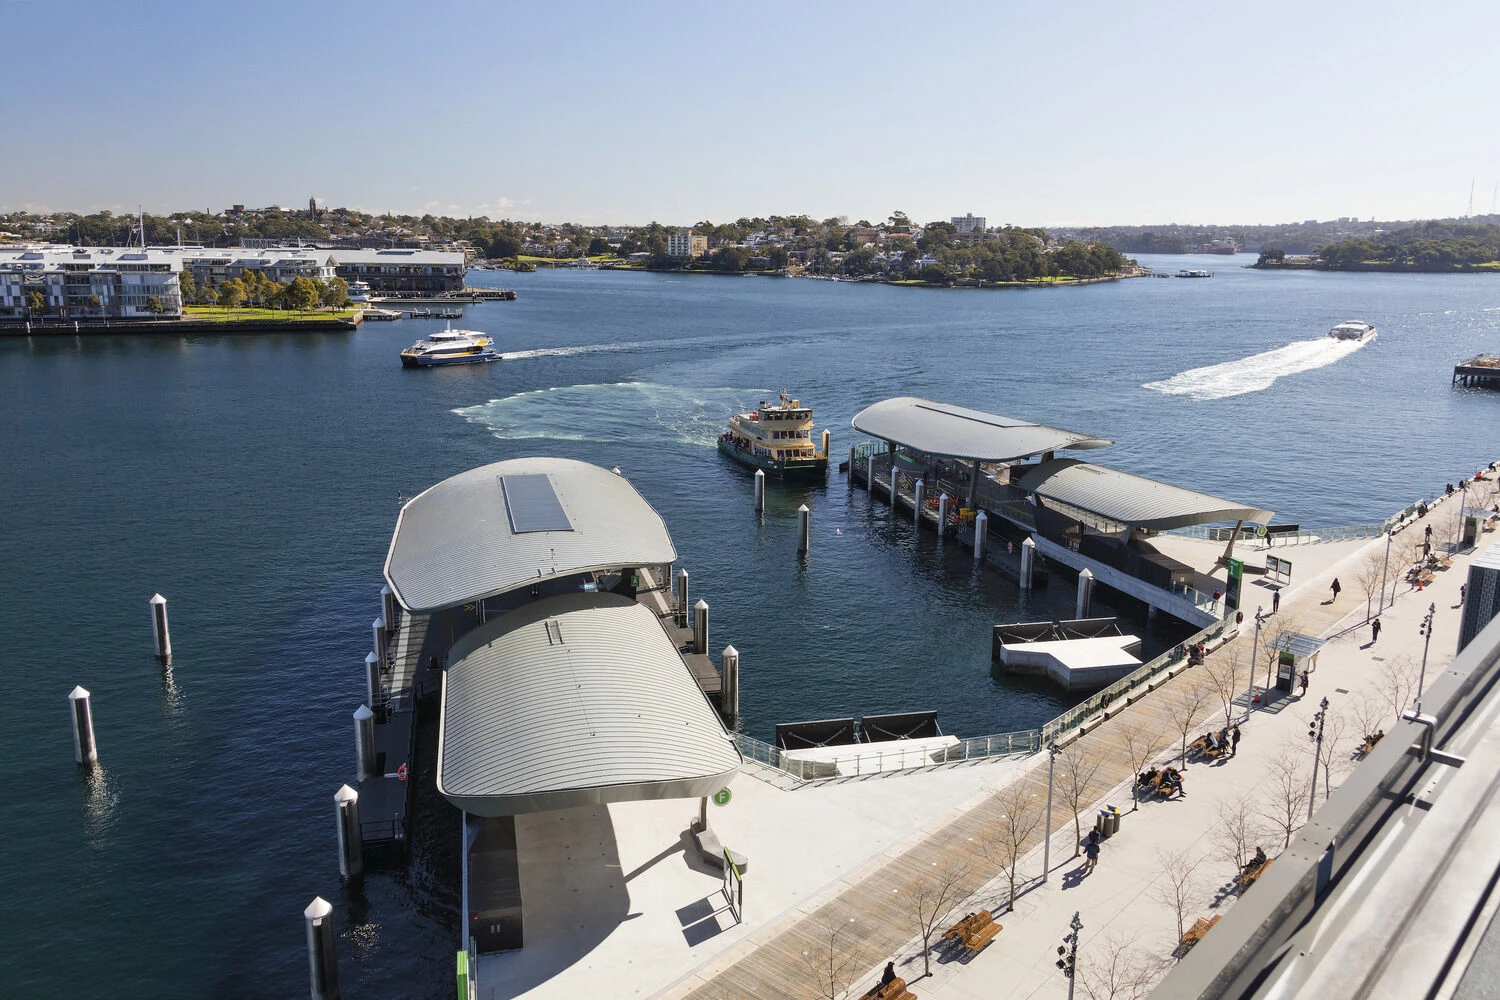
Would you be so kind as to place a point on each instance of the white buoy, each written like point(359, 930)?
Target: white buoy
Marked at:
point(1028, 561)
point(373, 686)
point(804, 519)
point(85, 751)
point(322, 959)
point(981, 535)
point(159, 628)
point(827, 443)
point(1085, 594)
point(351, 844)
point(729, 681)
point(682, 598)
point(379, 637)
point(894, 472)
point(389, 609)
point(942, 514)
point(364, 742)
point(700, 626)
point(760, 490)
point(921, 491)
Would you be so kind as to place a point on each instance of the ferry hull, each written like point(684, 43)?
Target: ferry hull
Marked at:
point(783, 468)
point(461, 359)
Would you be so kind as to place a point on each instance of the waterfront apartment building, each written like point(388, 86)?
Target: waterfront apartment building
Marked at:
point(686, 243)
point(387, 272)
point(90, 283)
point(968, 223)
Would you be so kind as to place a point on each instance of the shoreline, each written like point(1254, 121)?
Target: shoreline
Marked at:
point(79, 328)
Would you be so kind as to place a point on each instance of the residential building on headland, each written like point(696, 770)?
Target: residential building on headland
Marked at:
point(91, 283)
point(387, 272)
point(968, 223)
point(686, 243)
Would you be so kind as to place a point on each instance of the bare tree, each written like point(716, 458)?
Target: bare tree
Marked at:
point(1410, 549)
point(1006, 841)
point(930, 898)
point(1286, 790)
point(1226, 675)
point(1079, 774)
point(1115, 969)
point(1185, 705)
point(831, 963)
point(1176, 886)
point(1142, 744)
point(1333, 752)
point(1369, 576)
point(1368, 714)
point(1239, 829)
point(1274, 635)
point(1398, 683)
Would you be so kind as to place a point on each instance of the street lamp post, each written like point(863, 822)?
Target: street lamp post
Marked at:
point(1315, 732)
point(1068, 950)
point(1052, 750)
point(1254, 650)
point(1426, 630)
point(1384, 566)
point(1458, 528)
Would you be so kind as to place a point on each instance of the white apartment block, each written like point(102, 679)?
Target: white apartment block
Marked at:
point(968, 223)
point(686, 243)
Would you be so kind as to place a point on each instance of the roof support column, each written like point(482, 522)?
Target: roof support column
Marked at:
point(1229, 549)
point(974, 485)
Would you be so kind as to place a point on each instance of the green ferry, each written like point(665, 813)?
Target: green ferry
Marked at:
point(777, 439)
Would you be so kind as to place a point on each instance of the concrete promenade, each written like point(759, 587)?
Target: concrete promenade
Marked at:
point(1129, 926)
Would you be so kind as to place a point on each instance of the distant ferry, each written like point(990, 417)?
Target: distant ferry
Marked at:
point(776, 438)
point(1352, 329)
point(1194, 273)
point(450, 347)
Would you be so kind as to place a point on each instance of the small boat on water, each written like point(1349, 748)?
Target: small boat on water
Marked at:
point(777, 439)
point(1352, 329)
point(450, 347)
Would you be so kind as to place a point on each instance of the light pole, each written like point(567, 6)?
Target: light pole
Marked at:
point(1052, 750)
point(1384, 566)
point(1068, 953)
point(1426, 630)
point(1315, 732)
point(1254, 651)
point(1458, 528)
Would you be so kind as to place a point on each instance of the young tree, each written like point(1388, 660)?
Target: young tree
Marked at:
point(1368, 714)
point(1398, 683)
point(1368, 575)
point(36, 303)
point(1238, 831)
point(1113, 968)
point(1005, 842)
point(186, 286)
point(1175, 885)
point(302, 294)
point(1286, 791)
point(335, 294)
point(1078, 773)
point(930, 898)
point(231, 293)
point(1226, 675)
point(1273, 636)
point(830, 962)
point(1184, 705)
point(1334, 751)
point(1142, 744)
point(154, 306)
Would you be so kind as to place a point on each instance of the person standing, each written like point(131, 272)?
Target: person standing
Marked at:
point(1462, 589)
point(1374, 631)
point(1091, 852)
point(1275, 600)
point(1335, 588)
point(1234, 741)
point(1303, 683)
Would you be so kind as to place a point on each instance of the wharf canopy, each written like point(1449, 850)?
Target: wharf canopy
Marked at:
point(574, 700)
point(511, 524)
point(946, 431)
point(1128, 499)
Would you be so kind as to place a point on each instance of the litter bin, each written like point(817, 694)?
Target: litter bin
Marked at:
point(1111, 820)
point(1101, 824)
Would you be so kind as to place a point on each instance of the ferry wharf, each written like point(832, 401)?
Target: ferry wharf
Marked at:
point(1482, 371)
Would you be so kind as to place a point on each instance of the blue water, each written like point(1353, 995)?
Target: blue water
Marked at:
point(254, 482)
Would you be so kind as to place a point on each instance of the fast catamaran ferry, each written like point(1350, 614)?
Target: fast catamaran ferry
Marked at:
point(450, 347)
point(777, 439)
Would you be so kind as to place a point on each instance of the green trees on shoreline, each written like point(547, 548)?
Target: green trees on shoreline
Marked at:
point(1426, 247)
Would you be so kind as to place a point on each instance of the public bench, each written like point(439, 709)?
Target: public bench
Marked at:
point(1195, 933)
point(974, 932)
point(1201, 747)
point(1369, 743)
point(1246, 878)
point(893, 990)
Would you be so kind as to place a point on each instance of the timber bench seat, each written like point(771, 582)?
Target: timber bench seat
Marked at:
point(958, 930)
point(974, 932)
point(1246, 879)
point(1195, 933)
point(893, 990)
point(1201, 747)
point(1369, 743)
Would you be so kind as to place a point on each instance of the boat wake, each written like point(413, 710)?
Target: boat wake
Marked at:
point(1257, 372)
point(570, 350)
point(621, 411)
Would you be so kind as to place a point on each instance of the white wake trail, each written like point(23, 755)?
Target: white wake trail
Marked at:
point(569, 350)
point(1257, 372)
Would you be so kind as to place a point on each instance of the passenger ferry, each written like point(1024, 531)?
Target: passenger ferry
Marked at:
point(1352, 329)
point(777, 439)
point(450, 347)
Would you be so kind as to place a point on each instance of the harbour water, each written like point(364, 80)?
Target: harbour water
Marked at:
point(254, 481)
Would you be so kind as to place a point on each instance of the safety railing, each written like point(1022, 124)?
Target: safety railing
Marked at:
point(886, 756)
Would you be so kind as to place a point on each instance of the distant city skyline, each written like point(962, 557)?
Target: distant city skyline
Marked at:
point(605, 115)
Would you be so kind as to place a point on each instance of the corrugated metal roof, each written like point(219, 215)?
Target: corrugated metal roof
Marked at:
point(454, 543)
point(1134, 500)
point(575, 700)
point(959, 432)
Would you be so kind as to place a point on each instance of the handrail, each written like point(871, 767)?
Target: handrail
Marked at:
point(890, 755)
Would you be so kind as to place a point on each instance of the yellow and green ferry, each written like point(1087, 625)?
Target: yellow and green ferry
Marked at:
point(777, 439)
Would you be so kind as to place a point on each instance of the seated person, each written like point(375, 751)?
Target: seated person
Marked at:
point(1213, 741)
point(1146, 777)
point(1255, 862)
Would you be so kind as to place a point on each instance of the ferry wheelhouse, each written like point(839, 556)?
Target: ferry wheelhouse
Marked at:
point(777, 439)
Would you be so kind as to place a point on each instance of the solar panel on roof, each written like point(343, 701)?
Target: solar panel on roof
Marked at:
point(532, 504)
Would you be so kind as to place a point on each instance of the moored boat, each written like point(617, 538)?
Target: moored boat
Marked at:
point(450, 347)
point(1352, 329)
point(776, 438)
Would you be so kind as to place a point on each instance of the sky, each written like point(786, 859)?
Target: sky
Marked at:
point(624, 113)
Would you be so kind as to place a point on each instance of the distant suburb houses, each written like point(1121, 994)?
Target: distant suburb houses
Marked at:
point(131, 283)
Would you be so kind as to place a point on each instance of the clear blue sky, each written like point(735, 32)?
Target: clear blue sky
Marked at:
point(1032, 114)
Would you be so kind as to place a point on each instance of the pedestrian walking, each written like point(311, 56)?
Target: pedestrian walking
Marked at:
point(1275, 600)
point(1374, 631)
point(1303, 683)
point(1426, 549)
point(1427, 536)
point(1091, 852)
point(1234, 741)
point(1462, 589)
point(1335, 588)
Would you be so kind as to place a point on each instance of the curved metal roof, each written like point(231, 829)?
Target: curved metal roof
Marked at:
point(959, 432)
point(1134, 500)
point(575, 700)
point(501, 526)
